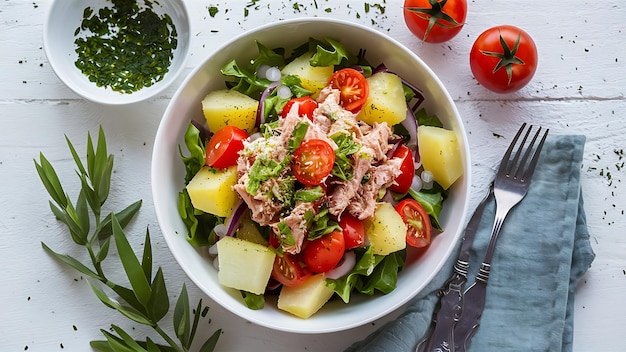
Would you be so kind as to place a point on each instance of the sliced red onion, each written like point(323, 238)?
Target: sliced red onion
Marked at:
point(272, 285)
point(416, 185)
point(231, 224)
point(410, 124)
point(205, 134)
point(273, 74)
point(260, 111)
point(261, 71)
point(427, 179)
point(346, 264)
point(220, 230)
point(213, 250)
point(380, 68)
point(253, 137)
point(388, 197)
point(283, 91)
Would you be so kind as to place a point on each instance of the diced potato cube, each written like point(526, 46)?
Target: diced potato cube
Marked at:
point(440, 153)
point(306, 299)
point(386, 230)
point(244, 265)
point(313, 78)
point(385, 102)
point(211, 190)
point(229, 107)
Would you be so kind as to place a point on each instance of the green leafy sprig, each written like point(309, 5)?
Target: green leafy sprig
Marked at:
point(146, 301)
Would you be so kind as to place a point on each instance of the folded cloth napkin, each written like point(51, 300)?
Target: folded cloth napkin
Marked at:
point(542, 251)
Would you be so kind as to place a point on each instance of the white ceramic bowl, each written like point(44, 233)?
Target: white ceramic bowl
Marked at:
point(65, 17)
point(168, 172)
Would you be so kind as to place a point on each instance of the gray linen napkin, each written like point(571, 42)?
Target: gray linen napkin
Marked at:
point(542, 251)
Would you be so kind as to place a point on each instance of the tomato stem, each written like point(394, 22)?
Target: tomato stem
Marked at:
point(433, 15)
point(507, 57)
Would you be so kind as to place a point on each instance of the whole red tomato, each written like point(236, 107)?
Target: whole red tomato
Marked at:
point(503, 59)
point(435, 21)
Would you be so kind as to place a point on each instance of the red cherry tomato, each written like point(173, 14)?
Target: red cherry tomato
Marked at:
point(289, 270)
point(313, 161)
point(305, 108)
point(418, 223)
point(503, 59)
point(353, 231)
point(435, 21)
point(323, 254)
point(407, 168)
point(353, 87)
point(223, 148)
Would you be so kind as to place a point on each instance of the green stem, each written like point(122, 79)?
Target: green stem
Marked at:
point(167, 338)
point(95, 263)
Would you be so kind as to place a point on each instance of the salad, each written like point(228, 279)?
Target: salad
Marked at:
point(311, 176)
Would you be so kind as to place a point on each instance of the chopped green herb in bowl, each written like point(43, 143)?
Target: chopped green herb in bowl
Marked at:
point(117, 51)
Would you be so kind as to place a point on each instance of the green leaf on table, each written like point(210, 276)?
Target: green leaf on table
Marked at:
point(82, 214)
point(127, 339)
point(181, 317)
point(72, 262)
point(196, 319)
point(104, 250)
point(146, 260)
point(159, 303)
point(123, 217)
point(51, 181)
point(77, 161)
point(72, 226)
point(132, 267)
point(99, 166)
point(210, 344)
point(129, 312)
point(128, 296)
point(118, 344)
point(90, 195)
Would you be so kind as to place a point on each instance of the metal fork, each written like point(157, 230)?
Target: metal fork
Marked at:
point(510, 186)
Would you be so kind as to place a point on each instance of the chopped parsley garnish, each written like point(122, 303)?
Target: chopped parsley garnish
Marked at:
point(125, 47)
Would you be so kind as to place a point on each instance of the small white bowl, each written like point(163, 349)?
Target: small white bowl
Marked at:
point(168, 172)
point(65, 17)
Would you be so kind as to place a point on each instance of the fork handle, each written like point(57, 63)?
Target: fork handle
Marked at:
point(469, 321)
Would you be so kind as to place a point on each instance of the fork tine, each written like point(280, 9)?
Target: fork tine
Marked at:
point(529, 149)
point(513, 166)
point(505, 164)
point(533, 162)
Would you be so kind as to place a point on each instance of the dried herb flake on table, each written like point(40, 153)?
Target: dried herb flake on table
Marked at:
point(125, 47)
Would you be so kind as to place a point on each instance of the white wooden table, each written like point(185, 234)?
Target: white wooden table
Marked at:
point(579, 88)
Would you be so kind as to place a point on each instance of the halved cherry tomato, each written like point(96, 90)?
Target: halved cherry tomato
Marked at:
point(353, 87)
point(223, 148)
point(305, 108)
point(313, 161)
point(324, 253)
point(407, 169)
point(417, 221)
point(353, 230)
point(289, 271)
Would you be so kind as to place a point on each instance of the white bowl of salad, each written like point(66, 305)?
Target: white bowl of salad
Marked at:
point(311, 182)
